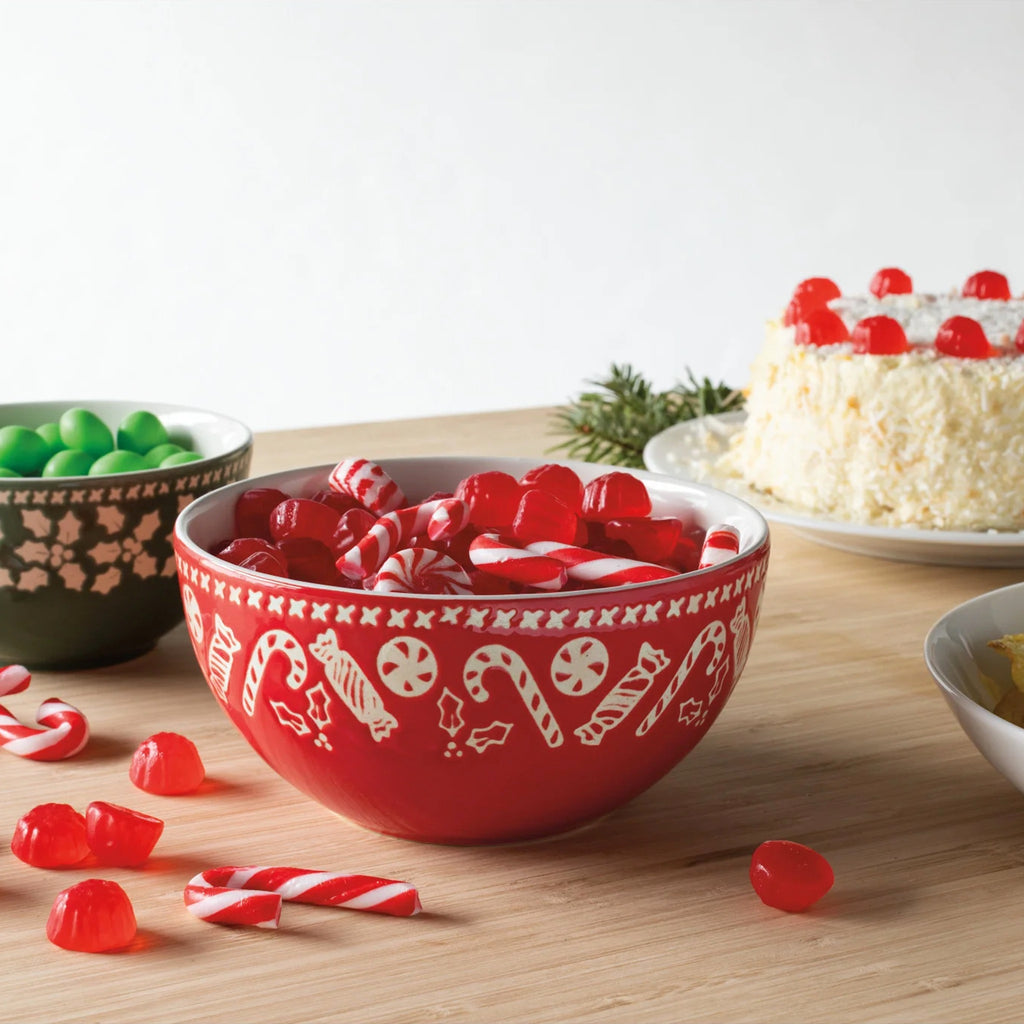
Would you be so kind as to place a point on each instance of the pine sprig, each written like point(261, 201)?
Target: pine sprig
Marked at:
point(614, 423)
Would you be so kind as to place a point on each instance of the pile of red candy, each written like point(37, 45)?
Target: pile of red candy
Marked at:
point(960, 336)
point(494, 534)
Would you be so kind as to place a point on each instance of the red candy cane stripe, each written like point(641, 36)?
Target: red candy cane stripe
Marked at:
point(439, 519)
point(720, 544)
point(251, 908)
point(422, 571)
point(322, 888)
point(491, 555)
point(368, 484)
point(599, 570)
point(65, 732)
point(448, 518)
point(14, 679)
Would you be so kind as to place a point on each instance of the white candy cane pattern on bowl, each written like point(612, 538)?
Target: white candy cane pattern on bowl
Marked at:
point(467, 719)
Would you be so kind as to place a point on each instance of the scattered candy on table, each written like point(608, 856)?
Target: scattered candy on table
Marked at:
point(64, 732)
point(495, 534)
point(94, 916)
point(50, 836)
point(208, 895)
point(218, 904)
point(81, 444)
point(167, 764)
point(119, 836)
point(14, 679)
point(55, 835)
point(789, 876)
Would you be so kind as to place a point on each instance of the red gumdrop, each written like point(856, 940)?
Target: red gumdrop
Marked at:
point(650, 539)
point(272, 563)
point(493, 498)
point(822, 327)
point(542, 516)
point(297, 518)
point(94, 916)
point(167, 764)
point(119, 836)
point(353, 526)
point(1018, 341)
point(615, 495)
point(789, 876)
point(457, 548)
point(238, 550)
point(337, 500)
point(890, 281)
point(561, 481)
point(50, 836)
point(596, 539)
point(964, 338)
point(310, 560)
point(686, 555)
point(809, 295)
point(986, 284)
point(879, 336)
point(252, 511)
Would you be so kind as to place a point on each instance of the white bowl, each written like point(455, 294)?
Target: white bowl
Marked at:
point(971, 676)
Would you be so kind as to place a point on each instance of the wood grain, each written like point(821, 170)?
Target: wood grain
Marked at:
point(836, 736)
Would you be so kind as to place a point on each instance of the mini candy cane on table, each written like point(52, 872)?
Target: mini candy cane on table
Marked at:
point(438, 519)
point(230, 895)
point(368, 484)
point(720, 544)
point(14, 679)
point(586, 566)
point(508, 562)
point(65, 732)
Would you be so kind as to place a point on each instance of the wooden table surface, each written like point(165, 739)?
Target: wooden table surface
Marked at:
point(836, 736)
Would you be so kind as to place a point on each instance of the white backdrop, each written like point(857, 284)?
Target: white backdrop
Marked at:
point(308, 212)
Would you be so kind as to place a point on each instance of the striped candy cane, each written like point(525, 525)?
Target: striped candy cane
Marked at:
point(492, 555)
point(294, 885)
point(14, 679)
point(65, 732)
point(720, 544)
point(438, 519)
point(368, 484)
point(599, 570)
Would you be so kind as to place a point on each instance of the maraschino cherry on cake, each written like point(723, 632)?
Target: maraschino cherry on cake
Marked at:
point(893, 408)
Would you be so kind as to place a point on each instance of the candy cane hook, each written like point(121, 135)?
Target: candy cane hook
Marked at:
point(65, 732)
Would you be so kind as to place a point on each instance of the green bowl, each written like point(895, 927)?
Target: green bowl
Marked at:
point(87, 569)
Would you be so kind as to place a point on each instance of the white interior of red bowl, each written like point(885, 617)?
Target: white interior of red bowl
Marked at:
point(211, 434)
point(210, 519)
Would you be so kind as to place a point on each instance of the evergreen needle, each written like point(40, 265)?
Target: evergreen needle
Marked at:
point(613, 423)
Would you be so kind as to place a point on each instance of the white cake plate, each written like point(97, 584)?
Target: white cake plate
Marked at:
point(689, 450)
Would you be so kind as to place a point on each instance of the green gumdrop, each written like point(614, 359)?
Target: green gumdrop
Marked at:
point(140, 431)
point(70, 462)
point(50, 433)
point(118, 462)
point(5, 472)
point(22, 450)
point(180, 458)
point(157, 455)
point(82, 429)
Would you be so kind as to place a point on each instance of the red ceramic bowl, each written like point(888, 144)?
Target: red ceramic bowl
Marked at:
point(471, 719)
